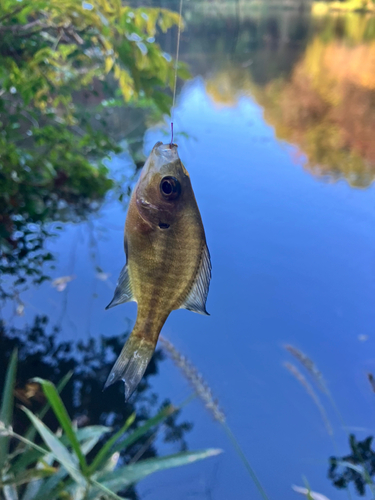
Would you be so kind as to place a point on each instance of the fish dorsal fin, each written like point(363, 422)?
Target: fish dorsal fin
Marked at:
point(123, 292)
point(196, 299)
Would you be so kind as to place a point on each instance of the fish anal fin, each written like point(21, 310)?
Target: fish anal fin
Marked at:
point(123, 292)
point(197, 296)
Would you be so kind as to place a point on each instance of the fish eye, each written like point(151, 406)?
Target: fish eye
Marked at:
point(170, 188)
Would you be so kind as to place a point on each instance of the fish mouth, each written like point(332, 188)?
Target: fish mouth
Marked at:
point(167, 152)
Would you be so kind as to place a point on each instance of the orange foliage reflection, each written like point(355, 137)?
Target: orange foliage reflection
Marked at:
point(326, 106)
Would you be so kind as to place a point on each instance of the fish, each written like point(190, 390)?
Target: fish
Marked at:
point(168, 265)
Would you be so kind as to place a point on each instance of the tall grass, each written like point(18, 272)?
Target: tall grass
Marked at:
point(58, 468)
point(310, 366)
point(204, 392)
point(310, 391)
point(318, 379)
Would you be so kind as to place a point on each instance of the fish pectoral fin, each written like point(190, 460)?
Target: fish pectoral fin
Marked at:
point(196, 299)
point(123, 292)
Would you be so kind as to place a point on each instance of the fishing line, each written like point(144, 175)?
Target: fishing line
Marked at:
point(175, 69)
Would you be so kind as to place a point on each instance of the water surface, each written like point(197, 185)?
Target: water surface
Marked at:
point(276, 130)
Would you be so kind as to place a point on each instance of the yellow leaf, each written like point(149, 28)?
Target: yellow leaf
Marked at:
point(126, 85)
point(108, 64)
point(117, 71)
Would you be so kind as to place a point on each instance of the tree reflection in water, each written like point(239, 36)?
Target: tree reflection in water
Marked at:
point(313, 77)
point(41, 354)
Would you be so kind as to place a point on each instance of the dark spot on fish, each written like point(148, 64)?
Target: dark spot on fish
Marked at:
point(162, 225)
point(170, 188)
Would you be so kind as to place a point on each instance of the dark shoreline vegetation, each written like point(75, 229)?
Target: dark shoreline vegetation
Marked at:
point(77, 462)
point(72, 88)
point(318, 76)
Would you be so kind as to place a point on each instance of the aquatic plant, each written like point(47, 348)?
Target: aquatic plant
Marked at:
point(59, 466)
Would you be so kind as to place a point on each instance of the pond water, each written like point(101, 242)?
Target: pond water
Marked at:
point(276, 130)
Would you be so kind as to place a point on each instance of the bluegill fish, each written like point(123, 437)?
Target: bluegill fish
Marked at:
point(168, 264)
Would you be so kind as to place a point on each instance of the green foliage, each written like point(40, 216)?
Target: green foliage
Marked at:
point(55, 56)
point(60, 468)
point(65, 44)
point(7, 406)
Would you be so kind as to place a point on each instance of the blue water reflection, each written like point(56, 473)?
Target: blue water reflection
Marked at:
point(293, 262)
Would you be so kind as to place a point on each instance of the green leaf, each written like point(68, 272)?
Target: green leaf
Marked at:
point(26, 458)
point(7, 407)
point(31, 475)
point(63, 417)
point(30, 434)
point(183, 71)
point(90, 431)
point(163, 102)
point(152, 422)
point(113, 445)
point(357, 468)
point(47, 488)
point(33, 488)
point(105, 452)
point(89, 436)
point(108, 492)
point(42, 490)
point(130, 474)
point(60, 452)
point(29, 456)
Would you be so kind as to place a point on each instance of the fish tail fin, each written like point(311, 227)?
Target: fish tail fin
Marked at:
point(132, 363)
